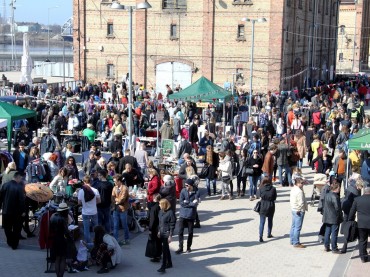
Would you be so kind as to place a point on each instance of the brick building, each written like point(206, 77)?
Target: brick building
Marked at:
point(177, 41)
point(353, 36)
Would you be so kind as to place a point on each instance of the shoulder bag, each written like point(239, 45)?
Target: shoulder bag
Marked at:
point(257, 208)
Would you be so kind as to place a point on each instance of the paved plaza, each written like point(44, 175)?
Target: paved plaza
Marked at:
point(226, 245)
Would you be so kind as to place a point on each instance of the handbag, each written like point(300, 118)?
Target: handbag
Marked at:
point(225, 179)
point(257, 208)
point(204, 172)
point(249, 171)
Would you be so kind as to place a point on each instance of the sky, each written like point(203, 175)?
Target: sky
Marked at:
point(37, 10)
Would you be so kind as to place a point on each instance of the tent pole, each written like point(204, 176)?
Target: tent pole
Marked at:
point(224, 118)
point(348, 161)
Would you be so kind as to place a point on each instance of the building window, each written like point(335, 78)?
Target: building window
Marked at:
point(310, 5)
point(110, 29)
point(300, 4)
point(110, 70)
point(287, 34)
point(299, 34)
point(327, 3)
point(318, 7)
point(288, 3)
point(174, 4)
point(173, 32)
point(341, 57)
point(241, 34)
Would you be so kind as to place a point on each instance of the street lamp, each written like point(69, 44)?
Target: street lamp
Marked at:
point(139, 6)
point(342, 32)
point(253, 21)
point(55, 7)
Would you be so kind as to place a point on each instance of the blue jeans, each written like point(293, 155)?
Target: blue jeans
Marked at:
point(295, 230)
point(117, 218)
point(287, 172)
point(208, 184)
point(253, 180)
point(300, 163)
point(331, 231)
point(104, 218)
point(262, 224)
point(89, 221)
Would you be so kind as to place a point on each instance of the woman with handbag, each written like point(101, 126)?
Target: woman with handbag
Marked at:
point(255, 163)
point(242, 174)
point(267, 193)
point(226, 173)
point(212, 162)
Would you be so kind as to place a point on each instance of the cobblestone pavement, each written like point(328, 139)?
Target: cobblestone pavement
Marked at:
point(226, 245)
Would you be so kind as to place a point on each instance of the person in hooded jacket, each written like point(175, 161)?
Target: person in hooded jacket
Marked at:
point(268, 195)
point(353, 191)
point(168, 191)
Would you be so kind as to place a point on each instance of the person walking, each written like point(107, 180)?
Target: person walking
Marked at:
point(361, 206)
point(298, 206)
point(255, 163)
point(105, 190)
point(332, 217)
point(154, 244)
point(241, 178)
point(12, 203)
point(167, 223)
point(120, 198)
point(226, 174)
point(268, 162)
point(212, 161)
point(188, 207)
point(88, 197)
point(268, 194)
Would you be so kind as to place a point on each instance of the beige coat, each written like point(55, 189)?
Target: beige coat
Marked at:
point(301, 146)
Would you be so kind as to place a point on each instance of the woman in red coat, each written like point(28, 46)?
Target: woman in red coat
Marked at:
point(154, 186)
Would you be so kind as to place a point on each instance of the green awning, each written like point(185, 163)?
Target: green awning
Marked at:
point(204, 90)
point(12, 112)
point(360, 141)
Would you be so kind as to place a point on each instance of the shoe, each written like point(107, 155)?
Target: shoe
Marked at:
point(103, 270)
point(299, 246)
point(336, 251)
point(327, 249)
point(197, 225)
point(73, 270)
point(30, 235)
point(242, 195)
point(270, 236)
point(320, 239)
point(155, 260)
point(251, 198)
point(179, 251)
point(188, 251)
point(365, 260)
point(260, 240)
point(230, 197)
point(169, 265)
point(112, 267)
point(162, 270)
point(222, 198)
point(238, 194)
point(343, 251)
point(22, 237)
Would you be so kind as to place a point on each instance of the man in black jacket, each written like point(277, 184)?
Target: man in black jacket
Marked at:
point(12, 202)
point(105, 190)
point(127, 159)
point(361, 205)
point(332, 217)
point(193, 135)
point(184, 148)
point(20, 156)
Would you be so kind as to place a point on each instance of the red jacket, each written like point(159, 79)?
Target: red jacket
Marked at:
point(153, 187)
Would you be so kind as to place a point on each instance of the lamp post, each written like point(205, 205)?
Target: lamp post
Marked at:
point(55, 7)
point(130, 9)
point(253, 21)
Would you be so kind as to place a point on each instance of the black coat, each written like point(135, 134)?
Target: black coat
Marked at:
point(12, 198)
point(251, 162)
point(361, 205)
point(153, 246)
point(167, 223)
point(168, 191)
point(212, 167)
point(268, 197)
point(127, 160)
point(193, 133)
point(332, 212)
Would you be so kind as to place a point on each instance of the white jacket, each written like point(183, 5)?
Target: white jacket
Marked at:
point(117, 251)
point(225, 167)
point(298, 199)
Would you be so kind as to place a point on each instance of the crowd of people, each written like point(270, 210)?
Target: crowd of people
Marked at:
point(266, 146)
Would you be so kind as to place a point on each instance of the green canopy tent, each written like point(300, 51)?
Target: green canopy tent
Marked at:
point(360, 141)
point(204, 90)
point(12, 112)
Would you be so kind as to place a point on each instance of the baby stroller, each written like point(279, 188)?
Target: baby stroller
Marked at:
point(319, 182)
